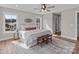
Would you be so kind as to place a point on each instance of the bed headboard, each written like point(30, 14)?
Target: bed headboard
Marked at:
point(31, 26)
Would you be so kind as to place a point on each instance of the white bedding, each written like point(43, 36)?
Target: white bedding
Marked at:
point(30, 37)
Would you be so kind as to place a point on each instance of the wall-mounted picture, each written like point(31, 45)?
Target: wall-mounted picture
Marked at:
point(10, 22)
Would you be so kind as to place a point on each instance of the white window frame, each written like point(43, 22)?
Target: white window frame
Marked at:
point(4, 24)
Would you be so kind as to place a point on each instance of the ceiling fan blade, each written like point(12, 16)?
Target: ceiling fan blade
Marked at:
point(48, 10)
point(51, 7)
point(36, 8)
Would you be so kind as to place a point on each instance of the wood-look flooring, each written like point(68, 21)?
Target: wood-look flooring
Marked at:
point(76, 48)
point(7, 47)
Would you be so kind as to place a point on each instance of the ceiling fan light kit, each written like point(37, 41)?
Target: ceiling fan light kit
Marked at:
point(44, 8)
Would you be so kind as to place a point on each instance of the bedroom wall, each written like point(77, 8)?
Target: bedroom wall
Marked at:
point(69, 23)
point(47, 21)
point(20, 20)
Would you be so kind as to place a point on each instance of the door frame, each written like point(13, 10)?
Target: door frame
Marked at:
point(59, 33)
point(76, 36)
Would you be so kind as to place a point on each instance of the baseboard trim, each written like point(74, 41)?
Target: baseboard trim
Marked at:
point(67, 38)
point(3, 39)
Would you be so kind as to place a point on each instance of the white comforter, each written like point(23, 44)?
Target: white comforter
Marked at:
point(30, 37)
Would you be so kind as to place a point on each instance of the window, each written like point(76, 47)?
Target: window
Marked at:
point(10, 23)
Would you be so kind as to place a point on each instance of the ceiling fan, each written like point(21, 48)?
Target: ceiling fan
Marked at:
point(44, 7)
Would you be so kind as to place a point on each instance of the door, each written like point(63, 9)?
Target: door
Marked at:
point(78, 26)
point(56, 24)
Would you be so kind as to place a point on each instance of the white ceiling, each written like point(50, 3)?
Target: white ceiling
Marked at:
point(31, 7)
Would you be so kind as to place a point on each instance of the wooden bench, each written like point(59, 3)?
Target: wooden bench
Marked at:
point(44, 39)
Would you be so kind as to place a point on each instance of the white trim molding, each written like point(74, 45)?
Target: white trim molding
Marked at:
point(73, 38)
point(7, 38)
point(76, 23)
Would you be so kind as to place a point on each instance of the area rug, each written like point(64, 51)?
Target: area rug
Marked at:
point(21, 44)
point(58, 47)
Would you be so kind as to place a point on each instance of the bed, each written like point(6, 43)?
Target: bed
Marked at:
point(29, 38)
